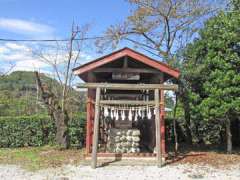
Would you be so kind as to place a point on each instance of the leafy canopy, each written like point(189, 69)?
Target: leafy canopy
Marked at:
point(213, 61)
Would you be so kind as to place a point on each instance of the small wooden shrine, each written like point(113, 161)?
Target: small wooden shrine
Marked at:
point(125, 105)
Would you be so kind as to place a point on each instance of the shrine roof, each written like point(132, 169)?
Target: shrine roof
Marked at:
point(137, 56)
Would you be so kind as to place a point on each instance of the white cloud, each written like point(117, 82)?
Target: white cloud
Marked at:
point(29, 65)
point(14, 52)
point(22, 57)
point(15, 46)
point(34, 64)
point(25, 27)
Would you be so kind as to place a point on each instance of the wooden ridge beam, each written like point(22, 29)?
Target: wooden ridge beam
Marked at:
point(116, 86)
point(127, 70)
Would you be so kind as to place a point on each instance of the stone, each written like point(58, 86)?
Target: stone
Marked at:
point(135, 144)
point(119, 145)
point(136, 139)
point(128, 144)
point(129, 138)
point(123, 144)
point(136, 133)
point(133, 150)
point(117, 139)
point(129, 132)
point(123, 140)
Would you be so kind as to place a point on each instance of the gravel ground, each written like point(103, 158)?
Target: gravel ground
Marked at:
point(170, 172)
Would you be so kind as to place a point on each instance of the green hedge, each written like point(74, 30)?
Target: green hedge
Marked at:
point(77, 130)
point(37, 130)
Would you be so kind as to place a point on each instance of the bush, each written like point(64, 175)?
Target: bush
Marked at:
point(37, 130)
point(77, 130)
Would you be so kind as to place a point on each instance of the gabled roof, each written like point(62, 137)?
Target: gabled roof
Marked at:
point(165, 68)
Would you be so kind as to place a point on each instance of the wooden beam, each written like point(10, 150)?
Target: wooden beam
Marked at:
point(127, 102)
point(127, 70)
point(157, 126)
point(116, 86)
point(125, 95)
point(96, 129)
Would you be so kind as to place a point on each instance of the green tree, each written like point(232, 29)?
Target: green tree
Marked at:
point(235, 4)
point(213, 70)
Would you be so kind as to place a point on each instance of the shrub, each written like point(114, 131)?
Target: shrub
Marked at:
point(77, 130)
point(37, 130)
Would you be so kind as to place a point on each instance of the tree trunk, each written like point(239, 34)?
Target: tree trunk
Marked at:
point(174, 126)
point(228, 136)
point(54, 110)
point(61, 121)
point(187, 120)
point(183, 95)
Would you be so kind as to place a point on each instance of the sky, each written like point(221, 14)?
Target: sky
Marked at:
point(51, 19)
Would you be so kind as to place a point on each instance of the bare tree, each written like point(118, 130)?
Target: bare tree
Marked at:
point(158, 26)
point(62, 58)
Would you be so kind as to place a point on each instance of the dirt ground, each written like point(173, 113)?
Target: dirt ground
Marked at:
point(54, 163)
point(51, 157)
point(214, 159)
point(81, 172)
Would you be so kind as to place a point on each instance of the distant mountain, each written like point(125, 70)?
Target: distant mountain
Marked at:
point(23, 80)
point(19, 95)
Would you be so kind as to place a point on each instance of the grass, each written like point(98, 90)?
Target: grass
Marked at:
point(35, 158)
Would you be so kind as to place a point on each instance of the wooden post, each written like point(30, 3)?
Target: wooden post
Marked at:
point(96, 129)
point(90, 114)
point(157, 125)
point(162, 114)
point(162, 122)
point(90, 111)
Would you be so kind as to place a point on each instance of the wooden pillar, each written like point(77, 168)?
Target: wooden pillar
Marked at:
point(158, 125)
point(96, 128)
point(162, 115)
point(162, 124)
point(90, 111)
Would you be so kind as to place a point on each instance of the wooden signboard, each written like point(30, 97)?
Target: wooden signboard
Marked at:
point(125, 76)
